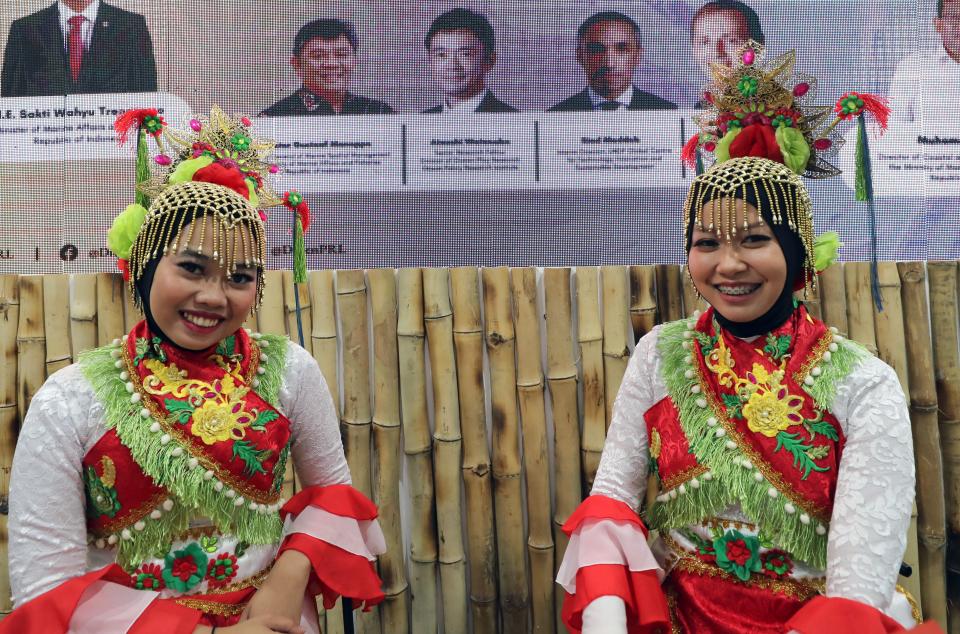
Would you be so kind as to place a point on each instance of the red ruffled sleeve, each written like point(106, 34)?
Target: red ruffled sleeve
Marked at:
point(640, 590)
point(836, 615)
point(336, 528)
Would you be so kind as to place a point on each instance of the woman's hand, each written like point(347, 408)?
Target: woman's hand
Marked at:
point(282, 592)
point(268, 624)
point(258, 625)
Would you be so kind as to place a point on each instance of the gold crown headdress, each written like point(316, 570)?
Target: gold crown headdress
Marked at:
point(216, 169)
point(765, 132)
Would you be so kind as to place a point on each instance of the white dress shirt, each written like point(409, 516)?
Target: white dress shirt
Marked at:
point(925, 90)
point(90, 13)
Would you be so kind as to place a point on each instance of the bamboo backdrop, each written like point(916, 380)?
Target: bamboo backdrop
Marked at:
point(520, 406)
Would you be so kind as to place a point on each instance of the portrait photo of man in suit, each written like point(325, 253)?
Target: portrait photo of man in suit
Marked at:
point(719, 28)
point(462, 51)
point(609, 49)
point(78, 46)
point(325, 54)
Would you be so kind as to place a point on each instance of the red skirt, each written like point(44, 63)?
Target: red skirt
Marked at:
point(705, 599)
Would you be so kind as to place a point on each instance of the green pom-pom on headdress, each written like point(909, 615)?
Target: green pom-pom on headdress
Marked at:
point(722, 151)
point(186, 169)
point(124, 230)
point(825, 249)
point(795, 149)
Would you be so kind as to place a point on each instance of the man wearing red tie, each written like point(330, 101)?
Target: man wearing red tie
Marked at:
point(78, 46)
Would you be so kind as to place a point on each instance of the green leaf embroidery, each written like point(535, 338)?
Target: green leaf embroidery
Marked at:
point(225, 348)
point(209, 543)
point(252, 457)
point(707, 343)
point(803, 455)
point(264, 417)
point(733, 404)
point(280, 468)
point(824, 428)
point(241, 548)
point(141, 346)
point(778, 346)
point(180, 411)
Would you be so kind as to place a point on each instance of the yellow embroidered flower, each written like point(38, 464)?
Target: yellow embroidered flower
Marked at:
point(770, 412)
point(216, 421)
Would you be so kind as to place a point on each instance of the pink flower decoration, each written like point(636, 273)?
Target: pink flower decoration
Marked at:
point(822, 144)
point(274, 169)
point(162, 159)
point(195, 125)
point(801, 89)
point(245, 121)
point(263, 214)
point(709, 146)
point(748, 57)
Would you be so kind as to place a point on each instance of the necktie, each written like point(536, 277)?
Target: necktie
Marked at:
point(610, 105)
point(75, 43)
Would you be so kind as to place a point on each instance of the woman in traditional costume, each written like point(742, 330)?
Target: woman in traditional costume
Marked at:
point(145, 491)
point(779, 453)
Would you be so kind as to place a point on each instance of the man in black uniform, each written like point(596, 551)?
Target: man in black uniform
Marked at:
point(324, 58)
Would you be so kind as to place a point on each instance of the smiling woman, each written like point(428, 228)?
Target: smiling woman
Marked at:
point(148, 476)
point(781, 453)
point(194, 299)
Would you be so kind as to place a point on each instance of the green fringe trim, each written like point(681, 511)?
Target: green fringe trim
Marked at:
point(272, 378)
point(730, 480)
point(849, 354)
point(172, 472)
point(299, 254)
point(143, 169)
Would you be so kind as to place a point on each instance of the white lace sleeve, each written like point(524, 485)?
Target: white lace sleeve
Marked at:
point(875, 486)
point(48, 532)
point(622, 474)
point(306, 401)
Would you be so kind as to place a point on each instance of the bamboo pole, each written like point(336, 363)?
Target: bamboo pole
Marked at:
point(499, 334)
point(477, 484)
point(130, 313)
point(946, 363)
point(83, 313)
point(643, 299)
point(324, 330)
point(447, 444)
point(356, 418)
point(270, 317)
point(590, 340)
point(833, 298)
point(931, 513)
point(56, 321)
point(669, 292)
point(562, 380)
point(31, 342)
point(290, 307)
point(9, 320)
point(386, 444)
point(860, 304)
point(417, 448)
point(110, 324)
point(691, 297)
point(616, 348)
point(533, 424)
point(887, 337)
